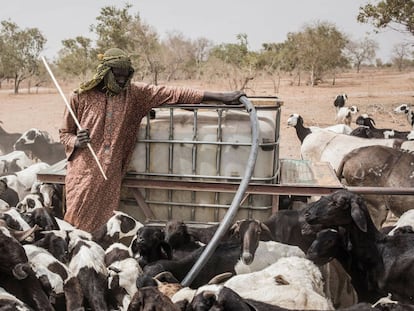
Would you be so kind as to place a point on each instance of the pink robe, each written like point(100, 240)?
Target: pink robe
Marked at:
point(113, 123)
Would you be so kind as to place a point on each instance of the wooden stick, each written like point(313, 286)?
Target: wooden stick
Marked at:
point(72, 113)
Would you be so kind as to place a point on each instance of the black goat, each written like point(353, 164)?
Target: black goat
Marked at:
point(7, 140)
point(177, 236)
point(387, 260)
point(149, 245)
point(224, 259)
point(367, 129)
point(332, 243)
point(40, 145)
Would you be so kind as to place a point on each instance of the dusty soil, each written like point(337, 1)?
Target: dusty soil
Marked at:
point(372, 91)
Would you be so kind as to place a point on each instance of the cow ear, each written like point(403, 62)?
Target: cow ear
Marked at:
point(358, 216)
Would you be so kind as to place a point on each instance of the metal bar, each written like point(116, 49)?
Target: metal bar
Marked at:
point(231, 213)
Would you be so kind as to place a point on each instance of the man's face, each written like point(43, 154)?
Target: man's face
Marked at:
point(121, 75)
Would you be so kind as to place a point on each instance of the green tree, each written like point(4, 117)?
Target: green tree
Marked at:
point(77, 57)
point(113, 27)
point(394, 14)
point(20, 52)
point(318, 49)
point(235, 62)
point(119, 28)
point(361, 50)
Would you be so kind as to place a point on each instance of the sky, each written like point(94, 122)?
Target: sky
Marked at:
point(220, 21)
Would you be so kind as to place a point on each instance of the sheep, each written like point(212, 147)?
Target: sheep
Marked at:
point(269, 252)
point(13, 162)
point(296, 121)
point(40, 144)
point(406, 109)
point(367, 129)
point(332, 147)
point(344, 115)
point(387, 260)
point(7, 140)
point(291, 282)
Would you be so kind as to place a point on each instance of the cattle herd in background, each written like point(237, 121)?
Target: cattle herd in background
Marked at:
point(330, 253)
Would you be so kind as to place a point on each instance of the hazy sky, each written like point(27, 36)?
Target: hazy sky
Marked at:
point(217, 20)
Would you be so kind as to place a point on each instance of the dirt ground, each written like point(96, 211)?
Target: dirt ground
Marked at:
point(372, 91)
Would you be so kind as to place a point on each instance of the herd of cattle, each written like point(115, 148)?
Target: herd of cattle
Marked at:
point(332, 253)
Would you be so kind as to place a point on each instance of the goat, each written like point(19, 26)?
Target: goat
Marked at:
point(7, 140)
point(52, 197)
point(87, 264)
point(13, 162)
point(11, 302)
point(387, 260)
point(344, 115)
point(224, 259)
point(151, 299)
point(177, 236)
point(367, 129)
point(340, 101)
point(40, 145)
point(17, 276)
point(119, 226)
point(7, 194)
point(64, 288)
point(22, 181)
point(296, 121)
point(148, 245)
point(406, 109)
point(332, 244)
point(406, 219)
point(123, 271)
point(285, 226)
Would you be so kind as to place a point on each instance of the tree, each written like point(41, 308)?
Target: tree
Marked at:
point(318, 49)
point(361, 50)
point(20, 52)
point(119, 28)
point(395, 14)
point(401, 53)
point(235, 62)
point(77, 58)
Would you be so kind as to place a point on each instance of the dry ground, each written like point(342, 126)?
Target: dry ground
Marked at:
point(374, 92)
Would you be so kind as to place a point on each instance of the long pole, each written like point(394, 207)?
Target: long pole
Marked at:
point(72, 113)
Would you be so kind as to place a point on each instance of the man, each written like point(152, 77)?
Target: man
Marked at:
point(109, 109)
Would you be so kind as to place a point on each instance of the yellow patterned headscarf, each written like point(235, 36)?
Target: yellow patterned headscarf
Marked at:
point(112, 58)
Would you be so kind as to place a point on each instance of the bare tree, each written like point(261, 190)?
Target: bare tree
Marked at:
point(361, 50)
point(401, 52)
